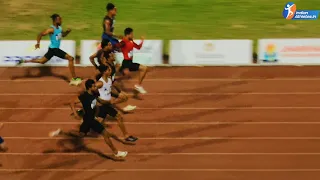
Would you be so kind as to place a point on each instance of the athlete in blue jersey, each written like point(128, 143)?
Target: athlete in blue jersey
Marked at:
point(108, 25)
point(56, 33)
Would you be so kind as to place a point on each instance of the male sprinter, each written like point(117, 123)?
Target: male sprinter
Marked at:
point(89, 101)
point(127, 44)
point(3, 146)
point(108, 25)
point(104, 87)
point(55, 32)
point(105, 57)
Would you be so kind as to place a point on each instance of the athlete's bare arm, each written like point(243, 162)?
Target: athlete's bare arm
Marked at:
point(140, 45)
point(43, 33)
point(92, 60)
point(65, 33)
point(107, 26)
point(120, 44)
point(73, 103)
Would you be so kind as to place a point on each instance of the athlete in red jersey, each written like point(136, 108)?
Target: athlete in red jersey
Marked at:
point(127, 44)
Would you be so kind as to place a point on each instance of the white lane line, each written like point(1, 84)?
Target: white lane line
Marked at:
point(180, 79)
point(158, 170)
point(163, 123)
point(175, 138)
point(173, 94)
point(182, 108)
point(163, 154)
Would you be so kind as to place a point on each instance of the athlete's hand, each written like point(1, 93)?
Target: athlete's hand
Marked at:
point(120, 37)
point(142, 38)
point(68, 30)
point(37, 46)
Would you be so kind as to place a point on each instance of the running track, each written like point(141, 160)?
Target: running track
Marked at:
point(224, 123)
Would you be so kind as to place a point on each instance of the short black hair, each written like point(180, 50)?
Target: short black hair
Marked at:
point(103, 68)
point(104, 43)
point(54, 16)
point(89, 83)
point(110, 6)
point(128, 31)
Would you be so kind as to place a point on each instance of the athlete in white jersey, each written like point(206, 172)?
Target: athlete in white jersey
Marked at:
point(104, 87)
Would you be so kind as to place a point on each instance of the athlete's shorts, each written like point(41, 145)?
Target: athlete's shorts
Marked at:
point(90, 123)
point(1, 140)
point(129, 64)
point(113, 40)
point(107, 109)
point(55, 52)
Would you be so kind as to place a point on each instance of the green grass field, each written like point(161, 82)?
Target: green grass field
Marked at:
point(166, 19)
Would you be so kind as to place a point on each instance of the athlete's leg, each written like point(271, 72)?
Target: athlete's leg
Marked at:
point(142, 74)
point(74, 80)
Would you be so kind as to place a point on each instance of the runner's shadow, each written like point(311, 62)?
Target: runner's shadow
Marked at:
point(74, 144)
point(44, 71)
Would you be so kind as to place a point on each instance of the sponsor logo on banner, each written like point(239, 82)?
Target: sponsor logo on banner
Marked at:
point(290, 51)
point(25, 50)
point(290, 12)
point(270, 54)
point(149, 54)
point(210, 52)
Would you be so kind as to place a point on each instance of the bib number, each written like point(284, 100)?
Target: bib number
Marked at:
point(58, 36)
point(93, 103)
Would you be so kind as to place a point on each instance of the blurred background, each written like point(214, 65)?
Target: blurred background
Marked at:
point(165, 19)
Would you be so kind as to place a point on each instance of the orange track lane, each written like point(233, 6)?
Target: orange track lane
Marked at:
point(231, 156)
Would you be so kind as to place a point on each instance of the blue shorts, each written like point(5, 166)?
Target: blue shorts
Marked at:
point(1, 140)
point(113, 40)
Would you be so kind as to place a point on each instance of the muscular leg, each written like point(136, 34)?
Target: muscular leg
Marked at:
point(123, 129)
point(107, 135)
point(71, 65)
point(142, 74)
point(42, 60)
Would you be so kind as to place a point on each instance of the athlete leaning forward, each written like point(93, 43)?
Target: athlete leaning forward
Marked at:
point(90, 102)
point(127, 45)
point(56, 34)
point(105, 57)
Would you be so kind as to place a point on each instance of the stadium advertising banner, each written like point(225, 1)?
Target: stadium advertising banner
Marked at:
point(12, 51)
point(289, 51)
point(210, 52)
point(149, 54)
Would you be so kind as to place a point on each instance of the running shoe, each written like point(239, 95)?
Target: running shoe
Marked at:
point(121, 154)
point(21, 61)
point(129, 108)
point(131, 139)
point(55, 133)
point(140, 89)
point(75, 81)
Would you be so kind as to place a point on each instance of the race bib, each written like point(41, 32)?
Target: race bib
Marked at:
point(58, 36)
point(93, 103)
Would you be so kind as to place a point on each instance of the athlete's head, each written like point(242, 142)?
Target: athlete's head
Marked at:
point(128, 32)
point(91, 85)
point(106, 45)
point(105, 70)
point(111, 9)
point(56, 19)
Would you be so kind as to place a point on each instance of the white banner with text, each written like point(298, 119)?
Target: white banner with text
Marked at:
point(210, 52)
point(13, 51)
point(289, 51)
point(149, 54)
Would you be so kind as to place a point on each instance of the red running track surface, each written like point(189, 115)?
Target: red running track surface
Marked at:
point(228, 123)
